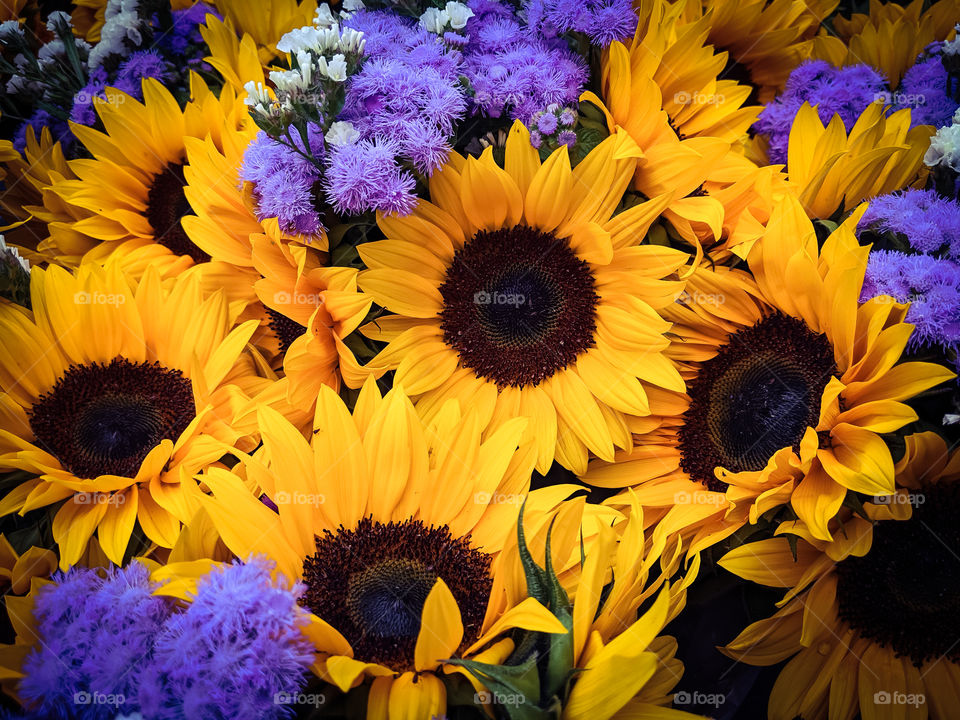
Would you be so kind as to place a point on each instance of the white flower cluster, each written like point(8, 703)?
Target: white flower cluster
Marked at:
point(944, 147)
point(122, 23)
point(12, 256)
point(342, 133)
point(454, 16)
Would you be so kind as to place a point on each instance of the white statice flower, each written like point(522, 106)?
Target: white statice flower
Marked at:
point(329, 39)
point(458, 14)
point(302, 38)
point(257, 94)
point(434, 21)
point(9, 28)
point(353, 5)
point(944, 148)
point(123, 26)
point(324, 17)
point(337, 68)
point(342, 133)
point(352, 41)
point(56, 19)
point(305, 66)
point(19, 85)
point(289, 81)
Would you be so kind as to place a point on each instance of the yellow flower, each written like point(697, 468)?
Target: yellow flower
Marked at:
point(516, 290)
point(836, 170)
point(663, 88)
point(358, 511)
point(113, 394)
point(790, 383)
point(870, 619)
point(766, 40)
point(889, 38)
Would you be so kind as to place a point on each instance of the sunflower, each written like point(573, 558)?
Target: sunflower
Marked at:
point(663, 88)
point(129, 199)
point(766, 40)
point(889, 38)
point(358, 516)
point(607, 636)
point(835, 170)
point(516, 290)
point(790, 383)
point(871, 620)
point(113, 394)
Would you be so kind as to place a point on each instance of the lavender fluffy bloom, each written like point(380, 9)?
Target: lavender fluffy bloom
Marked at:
point(603, 21)
point(924, 90)
point(845, 91)
point(284, 183)
point(389, 36)
point(140, 65)
point(236, 646)
point(931, 285)
point(547, 123)
point(186, 29)
point(523, 78)
point(59, 130)
point(930, 223)
point(97, 633)
point(365, 176)
point(567, 137)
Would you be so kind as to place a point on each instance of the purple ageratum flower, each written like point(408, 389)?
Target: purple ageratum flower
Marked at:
point(845, 91)
point(365, 176)
point(140, 65)
point(924, 90)
point(83, 112)
point(185, 33)
point(284, 181)
point(547, 123)
point(59, 130)
point(930, 223)
point(930, 284)
point(567, 137)
point(603, 21)
point(97, 632)
point(232, 651)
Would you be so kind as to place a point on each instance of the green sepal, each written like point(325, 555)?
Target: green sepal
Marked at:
point(520, 683)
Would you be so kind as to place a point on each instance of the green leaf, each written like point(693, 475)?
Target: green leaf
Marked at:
point(560, 656)
point(515, 689)
point(536, 577)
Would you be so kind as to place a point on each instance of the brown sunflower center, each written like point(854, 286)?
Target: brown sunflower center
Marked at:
point(518, 305)
point(371, 584)
point(905, 592)
point(757, 395)
point(166, 206)
point(103, 419)
point(285, 329)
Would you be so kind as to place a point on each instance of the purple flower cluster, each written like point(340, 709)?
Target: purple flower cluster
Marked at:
point(846, 91)
point(285, 181)
point(924, 90)
point(603, 21)
point(930, 284)
point(513, 71)
point(236, 646)
point(365, 175)
point(96, 631)
point(183, 40)
point(59, 130)
point(930, 223)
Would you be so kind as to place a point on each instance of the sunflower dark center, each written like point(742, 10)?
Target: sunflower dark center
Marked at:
point(757, 395)
point(103, 419)
point(166, 206)
point(905, 593)
point(285, 329)
point(518, 305)
point(371, 584)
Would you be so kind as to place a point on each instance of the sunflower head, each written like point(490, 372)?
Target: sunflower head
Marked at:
point(517, 288)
